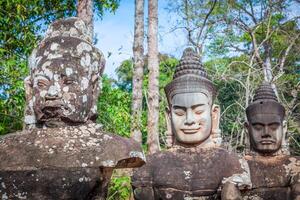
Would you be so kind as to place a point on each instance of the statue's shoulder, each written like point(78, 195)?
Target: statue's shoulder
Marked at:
point(293, 166)
point(72, 146)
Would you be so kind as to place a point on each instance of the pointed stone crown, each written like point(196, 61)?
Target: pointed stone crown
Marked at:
point(265, 92)
point(190, 64)
point(190, 77)
point(265, 102)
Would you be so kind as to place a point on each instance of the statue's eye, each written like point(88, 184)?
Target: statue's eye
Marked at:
point(179, 112)
point(258, 127)
point(274, 126)
point(42, 83)
point(198, 112)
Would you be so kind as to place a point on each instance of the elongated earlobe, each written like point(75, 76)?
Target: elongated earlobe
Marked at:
point(168, 133)
point(285, 142)
point(29, 118)
point(247, 137)
point(215, 131)
point(216, 112)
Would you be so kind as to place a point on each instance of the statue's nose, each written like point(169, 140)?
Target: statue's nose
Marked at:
point(190, 119)
point(53, 92)
point(266, 133)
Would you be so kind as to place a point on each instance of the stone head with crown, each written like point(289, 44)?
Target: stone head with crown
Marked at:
point(266, 126)
point(194, 118)
point(63, 88)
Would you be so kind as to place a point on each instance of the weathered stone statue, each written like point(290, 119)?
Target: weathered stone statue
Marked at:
point(274, 174)
point(62, 153)
point(195, 166)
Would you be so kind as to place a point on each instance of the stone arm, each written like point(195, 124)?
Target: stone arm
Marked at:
point(143, 193)
point(230, 192)
point(239, 178)
point(296, 191)
point(295, 183)
point(142, 183)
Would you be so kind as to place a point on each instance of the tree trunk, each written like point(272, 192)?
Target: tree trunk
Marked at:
point(138, 71)
point(85, 12)
point(268, 76)
point(153, 88)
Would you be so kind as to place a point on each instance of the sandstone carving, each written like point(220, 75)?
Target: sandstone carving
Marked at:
point(62, 153)
point(274, 173)
point(195, 166)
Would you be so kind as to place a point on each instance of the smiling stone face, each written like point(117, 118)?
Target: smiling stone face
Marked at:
point(191, 117)
point(190, 95)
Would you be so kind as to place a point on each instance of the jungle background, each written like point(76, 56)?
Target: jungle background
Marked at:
point(243, 42)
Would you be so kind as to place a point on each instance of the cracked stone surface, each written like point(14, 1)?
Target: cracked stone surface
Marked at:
point(272, 177)
point(62, 153)
point(185, 174)
point(68, 147)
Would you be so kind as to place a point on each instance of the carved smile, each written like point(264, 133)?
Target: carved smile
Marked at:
point(267, 142)
point(190, 131)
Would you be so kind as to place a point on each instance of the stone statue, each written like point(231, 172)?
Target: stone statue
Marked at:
point(62, 153)
point(195, 166)
point(274, 174)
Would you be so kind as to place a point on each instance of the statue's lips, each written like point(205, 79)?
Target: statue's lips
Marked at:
point(266, 142)
point(53, 109)
point(190, 131)
point(52, 104)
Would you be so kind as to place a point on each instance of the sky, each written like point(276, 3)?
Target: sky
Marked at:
point(115, 34)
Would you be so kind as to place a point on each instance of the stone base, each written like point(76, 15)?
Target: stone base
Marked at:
point(86, 183)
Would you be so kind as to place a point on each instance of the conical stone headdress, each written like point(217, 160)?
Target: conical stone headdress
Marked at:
point(190, 77)
point(265, 102)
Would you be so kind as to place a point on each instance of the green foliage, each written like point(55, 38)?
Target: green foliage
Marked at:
point(125, 73)
point(166, 69)
point(119, 188)
point(106, 5)
point(12, 94)
point(114, 108)
point(115, 100)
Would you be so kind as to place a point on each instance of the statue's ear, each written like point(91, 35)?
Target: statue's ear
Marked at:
point(95, 94)
point(247, 137)
point(29, 118)
point(285, 142)
point(169, 135)
point(28, 88)
point(285, 128)
point(216, 114)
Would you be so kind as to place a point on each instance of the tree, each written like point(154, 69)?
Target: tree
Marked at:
point(85, 12)
point(138, 72)
point(269, 36)
point(261, 41)
point(122, 85)
point(114, 108)
point(197, 19)
point(246, 42)
point(153, 87)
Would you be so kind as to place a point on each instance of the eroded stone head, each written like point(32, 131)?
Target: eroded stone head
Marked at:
point(63, 85)
point(265, 124)
point(190, 96)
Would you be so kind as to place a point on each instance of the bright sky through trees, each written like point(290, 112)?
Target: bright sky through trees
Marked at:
point(115, 35)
